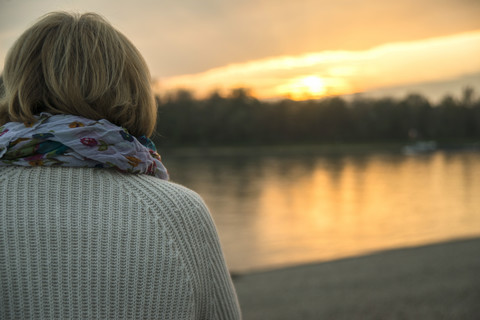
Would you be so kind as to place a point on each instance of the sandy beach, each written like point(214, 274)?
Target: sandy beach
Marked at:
point(438, 281)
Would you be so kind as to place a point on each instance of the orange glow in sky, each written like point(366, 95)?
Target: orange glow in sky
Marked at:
point(327, 73)
point(303, 88)
point(286, 49)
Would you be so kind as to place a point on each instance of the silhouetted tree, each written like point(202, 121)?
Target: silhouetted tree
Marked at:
point(238, 118)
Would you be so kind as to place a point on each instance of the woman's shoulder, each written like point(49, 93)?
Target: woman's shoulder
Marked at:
point(165, 192)
point(151, 191)
point(101, 191)
point(164, 198)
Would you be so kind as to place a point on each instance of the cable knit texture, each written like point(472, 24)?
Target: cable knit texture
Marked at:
point(85, 243)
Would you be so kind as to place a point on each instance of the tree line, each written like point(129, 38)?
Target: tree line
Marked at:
point(240, 119)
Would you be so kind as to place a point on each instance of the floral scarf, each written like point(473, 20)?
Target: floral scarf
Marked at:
point(72, 141)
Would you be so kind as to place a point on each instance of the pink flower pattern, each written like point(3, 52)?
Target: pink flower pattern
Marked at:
point(91, 142)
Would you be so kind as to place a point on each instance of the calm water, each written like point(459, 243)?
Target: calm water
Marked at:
point(273, 211)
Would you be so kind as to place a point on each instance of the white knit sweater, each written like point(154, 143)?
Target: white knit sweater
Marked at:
point(98, 244)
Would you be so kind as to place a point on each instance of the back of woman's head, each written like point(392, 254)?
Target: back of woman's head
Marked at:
point(80, 65)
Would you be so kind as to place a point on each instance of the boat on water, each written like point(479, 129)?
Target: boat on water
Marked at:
point(420, 147)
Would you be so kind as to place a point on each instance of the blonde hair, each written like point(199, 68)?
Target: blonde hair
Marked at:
point(78, 64)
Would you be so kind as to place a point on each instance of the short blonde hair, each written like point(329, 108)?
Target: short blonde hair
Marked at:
point(78, 64)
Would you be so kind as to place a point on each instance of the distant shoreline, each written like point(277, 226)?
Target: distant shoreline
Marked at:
point(310, 149)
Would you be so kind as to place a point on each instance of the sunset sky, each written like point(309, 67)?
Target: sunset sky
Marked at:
point(281, 48)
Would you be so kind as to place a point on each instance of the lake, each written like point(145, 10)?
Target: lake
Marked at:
point(277, 210)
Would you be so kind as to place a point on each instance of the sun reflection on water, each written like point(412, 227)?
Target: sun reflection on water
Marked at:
point(277, 211)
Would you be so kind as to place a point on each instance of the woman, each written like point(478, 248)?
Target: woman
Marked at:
point(89, 225)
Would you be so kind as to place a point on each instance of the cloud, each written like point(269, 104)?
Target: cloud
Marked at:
point(343, 72)
point(191, 36)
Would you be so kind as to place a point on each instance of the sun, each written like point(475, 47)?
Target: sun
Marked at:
point(314, 85)
point(307, 87)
